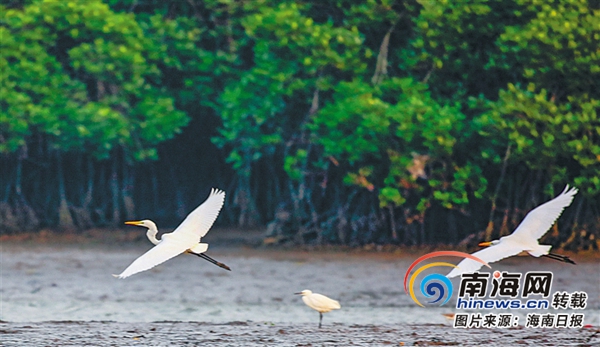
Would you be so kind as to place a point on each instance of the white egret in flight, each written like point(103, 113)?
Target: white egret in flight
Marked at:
point(525, 238)
point(185, 239)
point(319, 302)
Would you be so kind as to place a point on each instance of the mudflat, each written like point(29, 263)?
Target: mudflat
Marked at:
point(63, 294)
point(77, 333)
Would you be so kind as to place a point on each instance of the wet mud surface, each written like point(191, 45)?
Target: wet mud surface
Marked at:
point(73, 333)
point(64, 295)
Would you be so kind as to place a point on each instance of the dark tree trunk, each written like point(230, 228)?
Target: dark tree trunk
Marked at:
point(248, 216)
point(114, 190)
point(65, 220)
point(127, 191)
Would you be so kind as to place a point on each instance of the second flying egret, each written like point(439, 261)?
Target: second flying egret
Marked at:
point(185, 238)
point(525, 238)
point(319, 302)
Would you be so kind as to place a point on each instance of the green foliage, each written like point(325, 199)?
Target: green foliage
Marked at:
point(553, 122)
point(385, 125)
point(310, 97)
point(455, 46)
point(292, 56)
point(558, 47)
point(82, 76)
point(547, 134)
point(418, 107)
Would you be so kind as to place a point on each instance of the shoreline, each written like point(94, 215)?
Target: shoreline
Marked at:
point(238, 239)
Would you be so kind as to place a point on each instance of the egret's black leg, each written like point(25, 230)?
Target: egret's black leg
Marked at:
point(559, 257)
point(562, 258)
point(320, 319)
point(206, 257)
point(551, 256)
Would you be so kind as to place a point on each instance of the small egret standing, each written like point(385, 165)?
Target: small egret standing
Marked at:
point(319, 302)
point(524, 238)
point(185, 239)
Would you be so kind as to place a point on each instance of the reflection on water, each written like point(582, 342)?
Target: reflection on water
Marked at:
point(42, 283)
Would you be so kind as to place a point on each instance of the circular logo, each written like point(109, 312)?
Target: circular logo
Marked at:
point(434, 286)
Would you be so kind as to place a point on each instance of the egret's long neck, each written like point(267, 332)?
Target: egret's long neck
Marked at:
point(151, 234)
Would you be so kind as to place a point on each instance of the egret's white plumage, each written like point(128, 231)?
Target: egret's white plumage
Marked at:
point(525, 238)
point(185, 238)
point(319, 302)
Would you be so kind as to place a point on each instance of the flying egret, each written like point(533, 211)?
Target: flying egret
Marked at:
point(185, 239)
point(319, 302)
point(525, 238)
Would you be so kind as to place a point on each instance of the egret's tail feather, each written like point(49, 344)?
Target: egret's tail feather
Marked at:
point(540, 250)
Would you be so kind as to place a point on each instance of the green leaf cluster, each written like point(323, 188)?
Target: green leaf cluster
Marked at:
point(84, 78)
point(382, 110)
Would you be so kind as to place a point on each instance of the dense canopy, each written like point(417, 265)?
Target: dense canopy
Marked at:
point(344, 122)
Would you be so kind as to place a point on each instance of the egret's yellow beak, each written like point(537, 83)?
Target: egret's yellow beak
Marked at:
point(485, 244)
point(134, 222)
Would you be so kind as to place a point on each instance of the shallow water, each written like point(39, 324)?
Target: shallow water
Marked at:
point(74, 282)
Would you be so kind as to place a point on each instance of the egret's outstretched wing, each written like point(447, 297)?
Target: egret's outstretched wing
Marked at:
point(489, 255)
point(537, 222)
point(165, 250)
point(199, 221)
